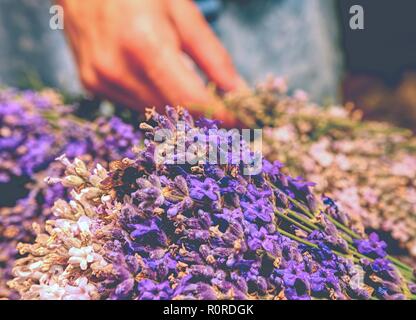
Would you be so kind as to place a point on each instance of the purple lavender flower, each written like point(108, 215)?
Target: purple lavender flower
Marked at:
point(300, 185)
point(372, 246)
point(384, 269)
point(208, 189)
point(297, 282)
point(151, 290)
point(258, 210)
point(323, 279)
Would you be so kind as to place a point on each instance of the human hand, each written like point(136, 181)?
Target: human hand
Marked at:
point(132, 52)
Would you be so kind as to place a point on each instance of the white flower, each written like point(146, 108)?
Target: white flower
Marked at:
point(64, 225)
point(106, 198)
point(75, 228)
point(81, 168)
point(81, 290)
point(33, 271)
point(61, 209)
point(51, 292)
point(84, 224)
point(81, 256)
point(100, 171)
point(72, 181)
point(90, 193)
point(64, 160)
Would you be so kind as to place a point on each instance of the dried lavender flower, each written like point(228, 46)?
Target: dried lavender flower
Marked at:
point(150, 228)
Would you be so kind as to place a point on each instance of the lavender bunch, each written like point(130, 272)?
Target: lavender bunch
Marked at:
point(35, 128)
point(369, 167)
point(158, 227)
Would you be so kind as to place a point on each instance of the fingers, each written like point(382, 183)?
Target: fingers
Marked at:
point(179, 84)
point(134, 88)
point(107, 91)
point(165, 67)
point(200, 42)
point(173, 77)
point(145, 66)
point(127, 94)
point(108, 76)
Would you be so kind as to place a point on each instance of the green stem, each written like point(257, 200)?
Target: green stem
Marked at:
point(293, 237)
point(301, 207)
point(301, 226)
point(399, 263)
point(299, 217)
point(344, 228)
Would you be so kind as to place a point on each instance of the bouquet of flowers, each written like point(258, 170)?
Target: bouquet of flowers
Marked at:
point(168, 224)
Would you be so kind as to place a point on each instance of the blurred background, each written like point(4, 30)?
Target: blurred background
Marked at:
point(380, 74)
point(309, 42)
